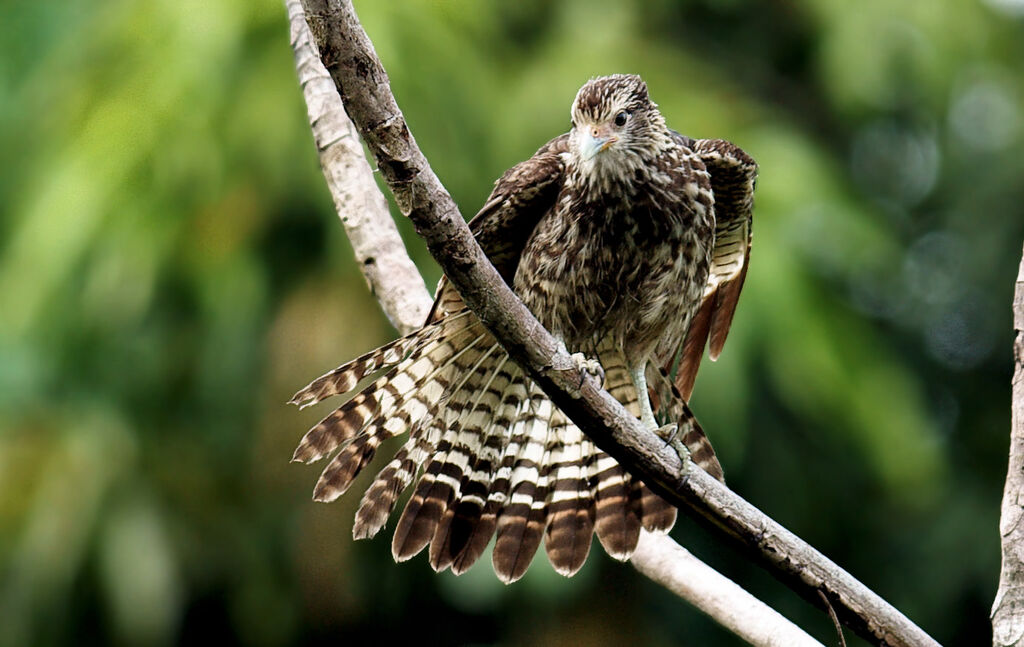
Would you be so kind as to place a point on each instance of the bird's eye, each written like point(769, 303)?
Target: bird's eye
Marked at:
point(620, 119)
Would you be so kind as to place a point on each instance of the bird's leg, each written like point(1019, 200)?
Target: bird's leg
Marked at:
point(669, 432)
point(638, 374)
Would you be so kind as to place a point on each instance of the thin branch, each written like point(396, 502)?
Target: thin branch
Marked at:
point(663, 560)
point(389, 272)
point(657, 555)
point(1008, 608)
point(363, 84)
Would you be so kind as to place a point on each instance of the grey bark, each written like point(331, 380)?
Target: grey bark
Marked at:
point(1008, 608)
point(663, 560)
point(389, 272)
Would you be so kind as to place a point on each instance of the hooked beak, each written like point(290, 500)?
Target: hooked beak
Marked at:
point(594, 140)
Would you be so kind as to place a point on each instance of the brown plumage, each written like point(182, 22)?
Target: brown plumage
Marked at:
point(629, 242)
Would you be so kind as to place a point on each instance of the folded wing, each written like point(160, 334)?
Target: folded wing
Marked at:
point(733, 175)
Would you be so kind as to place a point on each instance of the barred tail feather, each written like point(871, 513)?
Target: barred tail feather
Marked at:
point(341, 425)
point(435, 490)
point(337, 477)
point(657, 514)
point(617, 510)
point(570, 503)
point(482, 441)
point(346, 377)
point(478, 534)
point(399, 399)
point(475, 518)
point(379, 500)
point(359, 432)
point(488, 454)
point(701, 451)
point(470, 432)
point(521, 523)
point(513, 422)
point(419, 518)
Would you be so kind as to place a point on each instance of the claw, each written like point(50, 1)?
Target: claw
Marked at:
point(670, 434)
point(588, 365)
point(583, 366)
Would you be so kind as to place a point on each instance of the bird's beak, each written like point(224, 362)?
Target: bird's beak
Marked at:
point(595, 140)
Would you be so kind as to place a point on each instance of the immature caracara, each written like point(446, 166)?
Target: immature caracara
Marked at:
point(629, 242)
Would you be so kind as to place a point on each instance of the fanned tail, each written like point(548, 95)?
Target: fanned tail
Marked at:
point(488, 454)
point(399, 400)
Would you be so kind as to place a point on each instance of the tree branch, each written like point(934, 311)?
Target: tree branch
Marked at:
point(661, 559)
point(363, 85)
point(389, 272)
point(1008, 608)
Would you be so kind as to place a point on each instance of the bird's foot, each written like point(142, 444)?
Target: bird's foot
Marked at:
point(583, 365)
point(588, 365)
point(670, 434)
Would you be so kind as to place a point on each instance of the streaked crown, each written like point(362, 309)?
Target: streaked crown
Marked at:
point(616, 129)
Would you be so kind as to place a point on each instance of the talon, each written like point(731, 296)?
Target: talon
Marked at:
point(670, 434)
point(588, 365)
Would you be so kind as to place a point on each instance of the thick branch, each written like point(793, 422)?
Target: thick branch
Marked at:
point(349, 56)
point(1008, 608)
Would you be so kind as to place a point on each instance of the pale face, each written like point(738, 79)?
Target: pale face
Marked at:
point(615, 126)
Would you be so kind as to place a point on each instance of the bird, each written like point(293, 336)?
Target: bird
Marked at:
point(630, 243)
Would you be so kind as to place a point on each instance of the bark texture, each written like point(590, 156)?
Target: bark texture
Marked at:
point(389, 272)
point(1008, 608)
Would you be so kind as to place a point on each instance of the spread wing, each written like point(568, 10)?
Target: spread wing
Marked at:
point(519, 200)
point(733, 175)
point(528, 190)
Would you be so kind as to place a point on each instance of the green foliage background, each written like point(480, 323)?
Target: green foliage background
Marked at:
point(171, 270)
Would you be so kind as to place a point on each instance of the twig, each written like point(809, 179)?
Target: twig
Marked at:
point(363, 84)
point(1008, 608)
point(835, 619)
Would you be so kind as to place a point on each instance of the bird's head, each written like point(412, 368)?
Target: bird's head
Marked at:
point(615, 126)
